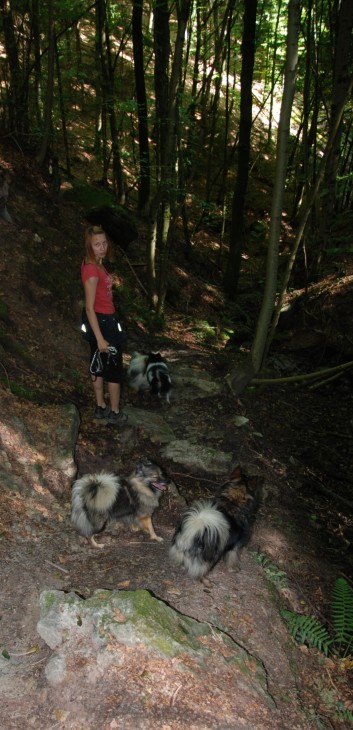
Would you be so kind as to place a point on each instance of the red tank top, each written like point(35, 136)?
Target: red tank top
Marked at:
point(103, 302)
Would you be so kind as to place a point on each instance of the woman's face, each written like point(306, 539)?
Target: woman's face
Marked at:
point(99, 246)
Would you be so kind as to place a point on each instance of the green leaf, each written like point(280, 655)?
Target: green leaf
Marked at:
point(342, 614)
point(308, 630)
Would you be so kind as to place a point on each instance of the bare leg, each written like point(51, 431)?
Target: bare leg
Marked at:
point(114, 395)
point(98, 387)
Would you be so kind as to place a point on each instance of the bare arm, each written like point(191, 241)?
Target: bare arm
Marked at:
point(90, 287)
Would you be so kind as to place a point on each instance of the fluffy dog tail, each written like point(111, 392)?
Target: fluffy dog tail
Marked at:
point(157, 375)
point(136, 372)
point(93, 497)
point(201, 538)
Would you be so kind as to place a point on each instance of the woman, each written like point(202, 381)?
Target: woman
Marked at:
point(100, 326)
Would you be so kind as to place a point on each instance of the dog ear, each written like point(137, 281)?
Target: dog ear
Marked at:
point(235, 473)
point(141, 464)
point(256, 483)
point(155, 357)
point(138, 467)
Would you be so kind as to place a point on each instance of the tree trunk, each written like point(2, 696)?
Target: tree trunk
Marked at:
point(341, 80)
point(108, 93)
point(231, 277)
point(142, 112)
point(305, 212)
point(62, 110)
point(35, 31)
point(273, 73)
point(18, 102)
point(46, 143)
point(238, 378)
point(168, 91)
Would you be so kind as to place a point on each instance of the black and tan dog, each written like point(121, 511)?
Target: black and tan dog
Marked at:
point(104, 496)
point(217, 528)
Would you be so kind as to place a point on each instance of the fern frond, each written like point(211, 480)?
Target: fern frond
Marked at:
point(344, 712)
point(342, 614)
point(273, 573)
point(308, 630)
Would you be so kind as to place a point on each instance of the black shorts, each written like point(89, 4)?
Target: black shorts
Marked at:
point(110, 329)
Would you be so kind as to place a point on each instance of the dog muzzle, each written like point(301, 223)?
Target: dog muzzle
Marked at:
point(162, 486)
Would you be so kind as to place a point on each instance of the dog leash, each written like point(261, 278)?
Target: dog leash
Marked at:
point(96, 364)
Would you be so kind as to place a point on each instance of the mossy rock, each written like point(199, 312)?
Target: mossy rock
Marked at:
point(136, 619)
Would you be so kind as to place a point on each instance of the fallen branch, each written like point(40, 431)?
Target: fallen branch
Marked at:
point(306, 376)
point(326, 380)
point(329, 492)
point(58, 567)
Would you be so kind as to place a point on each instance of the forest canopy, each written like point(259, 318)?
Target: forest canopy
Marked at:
point(179, 107)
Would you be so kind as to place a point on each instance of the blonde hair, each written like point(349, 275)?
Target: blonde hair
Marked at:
point(89, 233)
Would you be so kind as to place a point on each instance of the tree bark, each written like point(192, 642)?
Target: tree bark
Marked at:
point(18, 93)
point(341, 80)
point(109, 97)
point(142, 110)
point(238, 381)
point(46, 143)
point(168, 91)
point(231, 277)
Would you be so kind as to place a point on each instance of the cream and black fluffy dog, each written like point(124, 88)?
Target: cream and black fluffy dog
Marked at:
point(149, 373)
point(217, 528)
point(104, 496)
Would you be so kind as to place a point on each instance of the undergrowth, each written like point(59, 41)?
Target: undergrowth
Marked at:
point(335, 640)
point(309, 630)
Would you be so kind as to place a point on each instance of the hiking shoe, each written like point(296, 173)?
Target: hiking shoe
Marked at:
point(101, 412)
point(116, 418)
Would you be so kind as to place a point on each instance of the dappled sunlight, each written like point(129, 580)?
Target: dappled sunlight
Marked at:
point(276, 540)
point(12, 440)
point(23, 493)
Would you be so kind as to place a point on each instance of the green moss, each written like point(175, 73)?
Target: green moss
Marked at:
point(47, 600)
point(89, 196)
point(165, 629)
point(137, 618)
point(19, 389)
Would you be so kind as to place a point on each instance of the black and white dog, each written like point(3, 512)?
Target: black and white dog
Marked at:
point(149, 373)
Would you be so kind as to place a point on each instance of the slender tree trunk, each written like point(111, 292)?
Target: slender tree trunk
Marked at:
point(273, 73)
point(342, 73)
point(161, 73)
point(192, 137)
point(238, 378)
point(142, 112)
point(62, 110)
point(168, 91)
point(303, 180)
point(48, 109)
point(18, 106)
point(227, 111)
point(231, 277)
point(35, 29)
point(305, 212)
point(220, 27)
point(108, 93)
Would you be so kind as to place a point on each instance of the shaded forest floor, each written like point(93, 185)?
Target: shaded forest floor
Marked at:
point(299, 438)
